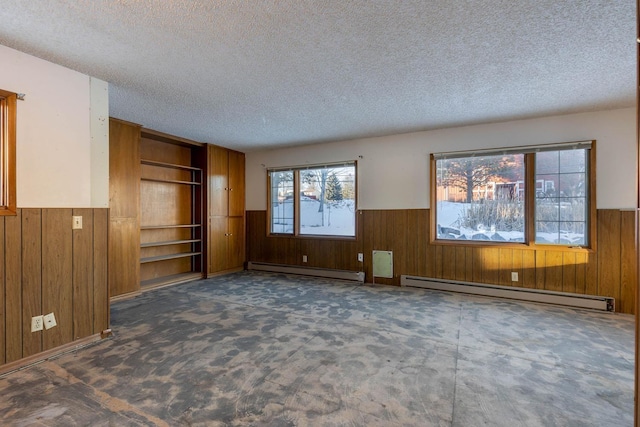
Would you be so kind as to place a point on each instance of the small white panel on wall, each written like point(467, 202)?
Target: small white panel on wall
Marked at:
point(383, 264)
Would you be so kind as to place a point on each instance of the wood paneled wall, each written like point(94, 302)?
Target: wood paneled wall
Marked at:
point(124, 207)
point(50, 268)
point(608, 271)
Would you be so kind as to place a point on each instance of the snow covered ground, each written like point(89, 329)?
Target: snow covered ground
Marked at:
point(448, 220)
point(339, 217)
point(339, 220)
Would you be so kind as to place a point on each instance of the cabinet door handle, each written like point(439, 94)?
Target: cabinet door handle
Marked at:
point(231, 189)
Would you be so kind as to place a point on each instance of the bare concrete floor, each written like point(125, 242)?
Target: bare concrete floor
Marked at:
point(272, 350)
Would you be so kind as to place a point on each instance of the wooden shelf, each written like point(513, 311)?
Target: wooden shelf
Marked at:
point(158, 227)
point(177, 198)
point(168, 243)
point(169, 165)
point(170, 256)
point(171, 181)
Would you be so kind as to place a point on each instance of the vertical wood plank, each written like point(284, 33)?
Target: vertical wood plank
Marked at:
point(628, 263)
point(124, 255)
point(367, 244)
point(505, 256)
point(540, 269)
point(461, 263)
point(430, 255)
point(401, 244)
point(438, 261)
point(419, 220)
point(528, 269)
point(360, 243)
point(553, 273)
point(477, 265)
point(469, 257)
point(491, 267)
point(124, 207)
point(448, 262)
point(569, 272)
point(82, 275)
point(3, 332)
point(591, 269)
point(609, 250)
point(581, 272)
point(13, 286)
point(32, 279)
point(124, 169)
point(100, 271)
point(516, 266)
point(57, 276)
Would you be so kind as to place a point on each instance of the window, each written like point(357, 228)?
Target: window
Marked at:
point(541, 195)
point(8, 113)
point(313, 201)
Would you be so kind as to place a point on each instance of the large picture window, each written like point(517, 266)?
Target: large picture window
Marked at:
point(313, 201)
point(8, 114)
point(542, 195)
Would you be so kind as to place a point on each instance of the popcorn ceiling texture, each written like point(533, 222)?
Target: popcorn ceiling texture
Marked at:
point(260, 74)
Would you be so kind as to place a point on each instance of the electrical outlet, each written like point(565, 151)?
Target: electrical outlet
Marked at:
point(514, 276)
point(304, 258)
point(49, 321)
point(360, 257)
point(77, 222)
point(36, 323)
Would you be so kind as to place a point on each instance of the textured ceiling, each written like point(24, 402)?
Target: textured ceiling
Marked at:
point(257, 74)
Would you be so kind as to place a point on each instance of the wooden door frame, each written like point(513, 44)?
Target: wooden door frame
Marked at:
point(637, 308)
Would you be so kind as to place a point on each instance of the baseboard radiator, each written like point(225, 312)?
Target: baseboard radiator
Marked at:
point(357, 276)
point(524, 294)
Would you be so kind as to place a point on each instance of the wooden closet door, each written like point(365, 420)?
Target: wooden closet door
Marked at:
point(218, 244)
point(236, 183)
point(236, 242)
point(218, 181)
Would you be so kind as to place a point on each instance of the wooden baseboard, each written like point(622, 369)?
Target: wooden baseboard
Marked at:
point(174, 279)
point(126, 296)
point(222, 273)
point(26, 362)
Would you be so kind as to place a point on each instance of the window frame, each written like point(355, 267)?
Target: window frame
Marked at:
point(296, 170)
point(529, 153)
point(8, 132)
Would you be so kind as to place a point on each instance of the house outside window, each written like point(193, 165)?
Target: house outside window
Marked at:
point(542, 195)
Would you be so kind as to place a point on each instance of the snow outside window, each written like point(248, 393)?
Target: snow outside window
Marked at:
point(485, 196)
point(313, 201)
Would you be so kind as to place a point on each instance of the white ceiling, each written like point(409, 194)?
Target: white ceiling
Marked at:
point(266, 73)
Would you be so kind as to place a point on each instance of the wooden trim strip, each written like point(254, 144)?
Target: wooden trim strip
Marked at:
point(32, 360)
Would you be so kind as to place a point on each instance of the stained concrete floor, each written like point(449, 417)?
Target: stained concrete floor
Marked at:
point(272, 350)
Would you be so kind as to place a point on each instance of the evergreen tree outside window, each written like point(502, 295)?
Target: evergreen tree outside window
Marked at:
point(313, 200)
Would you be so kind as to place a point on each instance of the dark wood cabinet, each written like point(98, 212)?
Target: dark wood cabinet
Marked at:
point(226, 210)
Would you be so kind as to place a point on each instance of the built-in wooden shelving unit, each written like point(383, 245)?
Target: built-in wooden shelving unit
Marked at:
point(171, 206)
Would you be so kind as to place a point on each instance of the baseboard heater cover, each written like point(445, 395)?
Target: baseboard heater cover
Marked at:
point(524, 294)
point(357, 276)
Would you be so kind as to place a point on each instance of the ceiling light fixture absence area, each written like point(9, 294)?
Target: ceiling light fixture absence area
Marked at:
point(254, 75)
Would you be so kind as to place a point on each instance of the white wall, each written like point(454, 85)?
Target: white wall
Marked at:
point(393, 172)
point(59, 164)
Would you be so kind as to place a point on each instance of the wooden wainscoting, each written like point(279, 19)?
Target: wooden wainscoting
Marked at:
point(608, 271)
point(50, 268)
